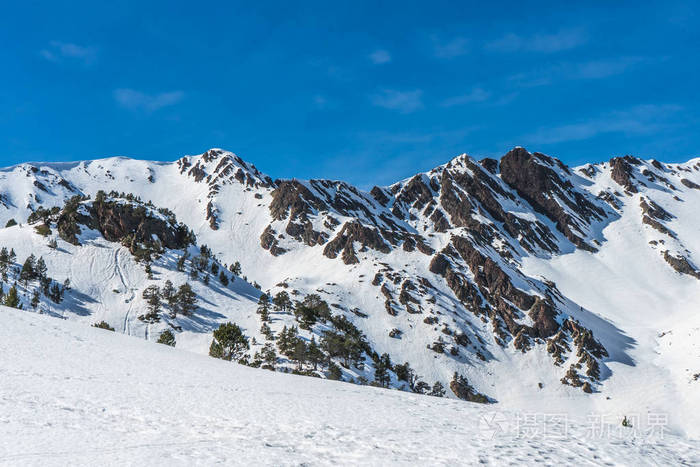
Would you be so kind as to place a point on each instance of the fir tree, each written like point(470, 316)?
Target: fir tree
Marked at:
point(236, 268)
point(229, 342)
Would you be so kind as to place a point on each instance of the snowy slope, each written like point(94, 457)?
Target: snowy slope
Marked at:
point(82, 396)
point(580, 241)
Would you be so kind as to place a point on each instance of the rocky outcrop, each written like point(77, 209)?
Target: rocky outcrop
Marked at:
point(681, 264)
point(690, 184)
point(352, 232)
point(622, 172)
point(533, 177)
point(268, 241)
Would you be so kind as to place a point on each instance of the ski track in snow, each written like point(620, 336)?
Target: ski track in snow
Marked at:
point(127, 288)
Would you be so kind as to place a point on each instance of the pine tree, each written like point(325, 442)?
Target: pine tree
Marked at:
point(152, 296)
point(229, 342)
point(263, 304)
point(28, 273)
point(103, 325)
point(168, 292)
point(236, 268)
point(334, 372)
point(12, 298)
point(45, 283)
point(381, 370)
point(315, 355)
point(438, 390)
point(166, 337)
point(55, 293)
point(223, 278)
point(149, 271)
point(282, 301)
point(269, 356)
point(40, 269)
point(35, 299)
point(266, 331)
point(53, 244)
point(181, 262)
point(186, 299)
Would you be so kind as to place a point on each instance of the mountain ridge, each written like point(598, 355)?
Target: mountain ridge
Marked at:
point(439, 269)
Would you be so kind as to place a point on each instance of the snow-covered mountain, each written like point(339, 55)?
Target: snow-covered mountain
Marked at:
point(540, 285)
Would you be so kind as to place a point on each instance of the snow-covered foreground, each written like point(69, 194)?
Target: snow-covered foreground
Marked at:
point(71, 394)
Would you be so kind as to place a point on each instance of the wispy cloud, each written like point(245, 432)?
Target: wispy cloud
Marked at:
point(401, 101)
point(475, 95)
point(451, 48)
point(58, 51)
point(139, 101)
point(595, 69)
point(380, 57)
point(639, 120)
point(543, 43)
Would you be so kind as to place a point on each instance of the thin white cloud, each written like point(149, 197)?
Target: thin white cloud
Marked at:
point(642, 119)
point(475, 95)
point(380, 57)
point(596, 69)
point(58, 51)
point(452, 48)
point(542, 43)
point(401, 101)
point(139, 101)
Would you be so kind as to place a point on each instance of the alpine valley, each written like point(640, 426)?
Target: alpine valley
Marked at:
point(520, 282)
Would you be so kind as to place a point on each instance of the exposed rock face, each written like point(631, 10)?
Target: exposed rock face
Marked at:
point(532, 176)
point(120, 221)
point(681, 264)
point(115, 221)
point(622, 172)
point(268, 241)
point(690, 184)
point(354, 232)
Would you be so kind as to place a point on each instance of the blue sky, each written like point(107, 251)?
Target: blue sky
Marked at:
point(369, 92)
